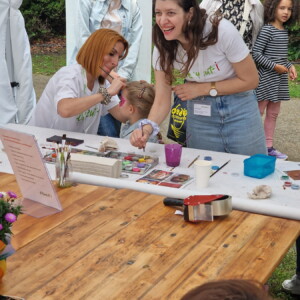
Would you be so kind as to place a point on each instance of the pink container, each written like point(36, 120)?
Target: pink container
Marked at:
point(173, 154)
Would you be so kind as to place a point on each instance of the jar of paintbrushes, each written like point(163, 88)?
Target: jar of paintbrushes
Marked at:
point(63, 165)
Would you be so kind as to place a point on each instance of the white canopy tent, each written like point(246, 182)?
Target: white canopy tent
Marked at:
point(143, 69)
point(17, 96)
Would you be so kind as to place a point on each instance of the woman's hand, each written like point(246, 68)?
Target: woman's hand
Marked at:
point(116, 85)
point(139, 137)
point(187, 91)
point(112, 75)
point(280, 69)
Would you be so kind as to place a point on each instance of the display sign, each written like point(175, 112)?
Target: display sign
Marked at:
point(40, 197)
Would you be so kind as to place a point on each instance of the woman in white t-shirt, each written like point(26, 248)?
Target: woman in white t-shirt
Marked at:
point(78, 95)
point(220, 76)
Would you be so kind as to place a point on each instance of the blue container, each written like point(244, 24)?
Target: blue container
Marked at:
point(259, 165)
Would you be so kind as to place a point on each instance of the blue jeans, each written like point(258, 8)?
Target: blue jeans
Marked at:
point(109, 126)
point(234, 126)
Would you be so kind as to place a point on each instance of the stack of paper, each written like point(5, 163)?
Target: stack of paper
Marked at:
point(94, 165)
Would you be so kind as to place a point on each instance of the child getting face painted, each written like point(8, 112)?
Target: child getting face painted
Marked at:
point(136, 102)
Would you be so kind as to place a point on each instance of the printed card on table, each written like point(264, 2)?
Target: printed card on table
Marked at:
point(165, 178)
point(40, 197)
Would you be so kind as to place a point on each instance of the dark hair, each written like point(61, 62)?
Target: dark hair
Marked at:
point(141, 95)
point(270, 7)
point(233, 289)
point(99, 43)
point(193, 32)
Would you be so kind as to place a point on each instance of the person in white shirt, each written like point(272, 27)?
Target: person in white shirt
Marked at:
point(219, 74)
point(123, 16)
point(78, 95)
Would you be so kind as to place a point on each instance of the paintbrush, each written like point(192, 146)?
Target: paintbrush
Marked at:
point(193, 161)
point(142, 136)
point(107, 73)
point(220, 168)
point(184, 143)
point(92, 147)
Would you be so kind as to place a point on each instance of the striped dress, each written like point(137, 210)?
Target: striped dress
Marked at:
point(271, 48)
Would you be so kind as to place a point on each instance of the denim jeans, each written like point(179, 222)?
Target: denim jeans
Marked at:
point(234, 124)
point(109, 126)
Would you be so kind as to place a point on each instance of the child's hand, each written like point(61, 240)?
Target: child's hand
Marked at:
point(292, 73)
point(139, 138)
point(280, 69)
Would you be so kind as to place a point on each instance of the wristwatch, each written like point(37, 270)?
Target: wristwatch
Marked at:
point(106, 96)
point(213, 91)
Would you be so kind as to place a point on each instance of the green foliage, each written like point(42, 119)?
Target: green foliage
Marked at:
point(8, 205)
point(47, 64)
point(44, 18)
point(294, 36)
point(294, 86)
point(284, 271)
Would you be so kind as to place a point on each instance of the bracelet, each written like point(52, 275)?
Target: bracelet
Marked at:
point(106, 96)
point(153, 125)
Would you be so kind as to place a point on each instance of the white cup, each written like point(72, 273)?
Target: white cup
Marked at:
point(203, 172)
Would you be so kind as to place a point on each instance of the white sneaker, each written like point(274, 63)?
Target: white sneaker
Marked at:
point(292, 285)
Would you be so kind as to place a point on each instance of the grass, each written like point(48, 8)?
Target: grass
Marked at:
point(47, 64)
point(295, 85)
point(285, 270)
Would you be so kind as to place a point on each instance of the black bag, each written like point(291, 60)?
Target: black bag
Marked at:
point(177, 124)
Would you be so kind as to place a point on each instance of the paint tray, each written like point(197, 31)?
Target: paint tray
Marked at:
point(259, 166)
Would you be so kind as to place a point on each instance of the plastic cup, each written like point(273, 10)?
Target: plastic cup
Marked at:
point(203, 172)
point(173, 154)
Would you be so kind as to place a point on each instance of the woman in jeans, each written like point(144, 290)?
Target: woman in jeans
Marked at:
point(220, 77)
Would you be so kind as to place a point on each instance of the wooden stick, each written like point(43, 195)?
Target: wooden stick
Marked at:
point(220, 168)
point(92, 147)
point(107, 73)
point(193, 161)
point(142, 136)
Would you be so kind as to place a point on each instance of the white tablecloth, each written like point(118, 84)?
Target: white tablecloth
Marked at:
point(230, 180)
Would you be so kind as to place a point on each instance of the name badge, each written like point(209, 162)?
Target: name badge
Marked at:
point(202, 109)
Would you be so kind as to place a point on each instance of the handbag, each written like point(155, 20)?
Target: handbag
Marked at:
point(177, 124)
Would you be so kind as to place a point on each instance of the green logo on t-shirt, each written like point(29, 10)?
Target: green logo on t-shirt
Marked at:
point(90, 113)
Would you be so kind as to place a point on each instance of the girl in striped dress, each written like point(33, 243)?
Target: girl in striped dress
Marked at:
point(270, 52)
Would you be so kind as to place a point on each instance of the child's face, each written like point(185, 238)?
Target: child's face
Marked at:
point(125, 106)
point(284, 11)
point(123, 100)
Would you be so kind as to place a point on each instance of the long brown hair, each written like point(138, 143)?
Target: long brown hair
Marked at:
point(270, 7)
point(193, 32)
point(99, 44)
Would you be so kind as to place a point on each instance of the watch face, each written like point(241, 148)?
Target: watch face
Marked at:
point(213, 92)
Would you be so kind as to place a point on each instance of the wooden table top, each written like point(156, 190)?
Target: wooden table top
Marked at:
point(124, 244)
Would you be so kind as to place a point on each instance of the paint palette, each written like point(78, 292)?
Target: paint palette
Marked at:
point(131, 162)
point(134, 163)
